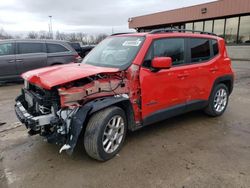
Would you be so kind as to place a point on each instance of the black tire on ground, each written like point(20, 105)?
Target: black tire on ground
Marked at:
point(210, 109)
point(94, 133)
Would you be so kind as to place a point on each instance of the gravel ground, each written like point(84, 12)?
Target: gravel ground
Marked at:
point(191, 150)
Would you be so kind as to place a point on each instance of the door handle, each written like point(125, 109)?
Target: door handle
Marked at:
point(213, 69)
point(182, 76)
point(19, 60)
point(11, 61)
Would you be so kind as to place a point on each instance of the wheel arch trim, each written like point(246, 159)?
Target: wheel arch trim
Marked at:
point(79, 118)
point(223, 79)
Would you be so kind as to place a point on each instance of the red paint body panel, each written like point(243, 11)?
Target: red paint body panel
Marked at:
point(53, 76)
point(167, 91)
point(182, 84)
point(148, 91)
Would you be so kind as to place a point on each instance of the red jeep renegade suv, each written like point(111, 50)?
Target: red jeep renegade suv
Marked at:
point(126, 82)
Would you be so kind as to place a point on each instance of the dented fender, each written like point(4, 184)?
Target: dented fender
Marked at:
point(102, 103)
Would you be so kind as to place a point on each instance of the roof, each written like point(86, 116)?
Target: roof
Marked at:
point(34, 40)
point(221, 8)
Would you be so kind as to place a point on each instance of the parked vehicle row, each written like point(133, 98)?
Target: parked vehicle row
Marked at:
point(81, 50)
point(126, 82)
point(19, 56)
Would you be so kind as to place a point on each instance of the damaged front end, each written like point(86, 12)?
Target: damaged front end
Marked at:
point(59, 114)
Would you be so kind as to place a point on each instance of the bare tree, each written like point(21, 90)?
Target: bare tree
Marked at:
point(85, 39)
point(4, 34)
point(43, 35)
point(60, 36)
point(72, 37)
point(80, 37)
point(32, 35)
point(100, 37)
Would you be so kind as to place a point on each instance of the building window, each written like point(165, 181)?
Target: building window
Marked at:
point(231, 30)
point(244, 31)
point(189, 26)
point(182, 26)
point(219, 27)
point(198, 26)
point(208, 27)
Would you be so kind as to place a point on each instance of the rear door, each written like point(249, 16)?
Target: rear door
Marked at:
point(7, 59)
point(201, 70)
point(30, 55)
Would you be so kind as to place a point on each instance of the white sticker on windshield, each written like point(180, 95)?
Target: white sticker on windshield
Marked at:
point(132, 43)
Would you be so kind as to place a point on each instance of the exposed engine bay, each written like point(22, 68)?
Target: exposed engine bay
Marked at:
point(57, 113)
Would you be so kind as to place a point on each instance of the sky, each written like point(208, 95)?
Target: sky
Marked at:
point(88, 16)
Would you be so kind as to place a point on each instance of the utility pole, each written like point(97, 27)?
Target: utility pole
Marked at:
point(50, 27)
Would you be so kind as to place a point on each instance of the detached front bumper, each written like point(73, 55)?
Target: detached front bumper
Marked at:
point(62, 128)
point(23, 115)
point(30, 121)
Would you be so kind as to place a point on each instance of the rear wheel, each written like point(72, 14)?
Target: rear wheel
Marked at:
point(218, 101)
point(105, 133)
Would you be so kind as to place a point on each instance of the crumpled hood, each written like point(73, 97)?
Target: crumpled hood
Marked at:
point(56, 75)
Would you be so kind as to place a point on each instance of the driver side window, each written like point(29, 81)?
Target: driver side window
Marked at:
point(167, 47)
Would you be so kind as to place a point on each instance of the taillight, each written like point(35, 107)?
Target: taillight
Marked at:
point(77, 59)
point(225, 53)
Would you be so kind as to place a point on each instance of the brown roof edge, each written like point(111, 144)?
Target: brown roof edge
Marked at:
point(177, 9)
point(214, 9)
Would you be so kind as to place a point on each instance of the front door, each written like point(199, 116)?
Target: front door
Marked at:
point(7, 60)
point(163, 92)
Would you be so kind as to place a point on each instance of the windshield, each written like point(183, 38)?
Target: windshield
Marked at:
point(117, 52)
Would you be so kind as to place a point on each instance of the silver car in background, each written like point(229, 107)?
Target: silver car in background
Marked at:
point(19, 56)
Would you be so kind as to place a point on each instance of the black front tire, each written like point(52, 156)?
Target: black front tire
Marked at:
point(94, 134)
point(211, 109)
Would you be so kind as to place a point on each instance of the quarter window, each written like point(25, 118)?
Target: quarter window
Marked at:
point(172, 47)
point(200, 50)
point(54, 48)
point(215, 47)
point(6, 49)
point(27, 48)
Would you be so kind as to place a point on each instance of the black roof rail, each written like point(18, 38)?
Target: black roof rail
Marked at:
point(122, 33)
point(182, 30)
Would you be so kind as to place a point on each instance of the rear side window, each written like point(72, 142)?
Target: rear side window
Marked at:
point(28, 48)
point(215, 47)
point(6, 49)
point(54, 48)
point(170, 47)
point(76, 46)
point(200, 50)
